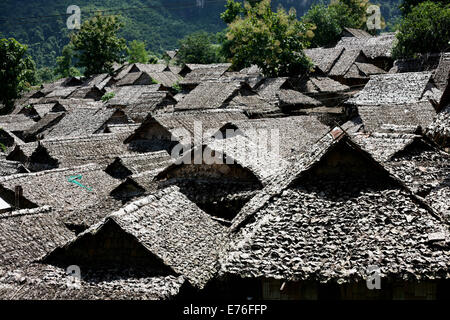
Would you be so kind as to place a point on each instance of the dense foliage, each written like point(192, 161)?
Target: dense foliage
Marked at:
point(17, 72)
point(198, 47)
point(64, 64)
point(137, 53)
point(425, 29)
point(327, 24)
point(97, 46)
point(407, 5)
point(274, 41)
point(160, 24)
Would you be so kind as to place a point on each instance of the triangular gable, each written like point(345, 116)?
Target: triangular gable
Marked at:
point(189, 160)
point(128, 190)
point(332, 156)
point(150, 130)
point(17, 154)
point(40, 160)
point(107, 246)
point(165, 225)
point(117, 169)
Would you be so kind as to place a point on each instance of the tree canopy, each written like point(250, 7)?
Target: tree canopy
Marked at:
point(64, 64)
point(407, 5)
point(425, 29)
point(330, 20)
point(327, 24)
point(17, 71)
point(198, 48)
point(137, 52)
point(274, 41)
point(97, 45)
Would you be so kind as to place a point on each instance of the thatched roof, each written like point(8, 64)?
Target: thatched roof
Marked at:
point(47, 121)
point(357, 33)
point(439, 129)
point(10, 167)
point(253, 104)
point(251, 79)
point(259, 158)
point(403, 117)
point(292, 99)
point(100, 81)
point(187, 68)
point(311, 228)
point(269, 88)
point(346, 59)
point(83, 121)
point(121, 127)
point(28, 234)
point(159, 101)
point(62, 105)
point(157, 127)
point(296, 134)
point(167, 226)
point(397, 88)
point(325, 85)
point(209, 95)
point(421, 166)
point(45, 282)
point(383, 146)
point(130, 95)
point(200, 75)
point(16, 122)
point(165, 78)
point(70, 151)
point(426, 62)
point(93, 93)
point(373, 47)
point(52, 188)
point(324, 58)
point(175, 69)
point(253, 69)
point(127, 165)
point(148, 68)
point(61, 92)
point(442, 73)
point(343, 63)
point(171, 54)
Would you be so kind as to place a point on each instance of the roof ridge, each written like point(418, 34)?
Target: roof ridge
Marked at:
point(139, 203)
point(24, 212)
point(42, 173)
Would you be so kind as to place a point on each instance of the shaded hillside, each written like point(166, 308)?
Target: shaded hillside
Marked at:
point(41, 24)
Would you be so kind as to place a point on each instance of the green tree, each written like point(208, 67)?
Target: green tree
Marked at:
point(407, 5)
point(274, 41)
point(97, 45)
point(197, 47)
point(327, 24)
point(137, 53)
point(233, 10)
point(45, 75)
point(17, 72)
point(425, 29)
point(64, 64)
point(351, 13)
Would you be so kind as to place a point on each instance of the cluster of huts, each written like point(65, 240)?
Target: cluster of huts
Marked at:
point(361, 177)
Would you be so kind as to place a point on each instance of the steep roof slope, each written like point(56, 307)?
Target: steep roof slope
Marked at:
point(170, 227)
point(394, 89)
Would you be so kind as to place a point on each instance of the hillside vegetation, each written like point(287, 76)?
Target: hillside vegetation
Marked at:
point(41, 24)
